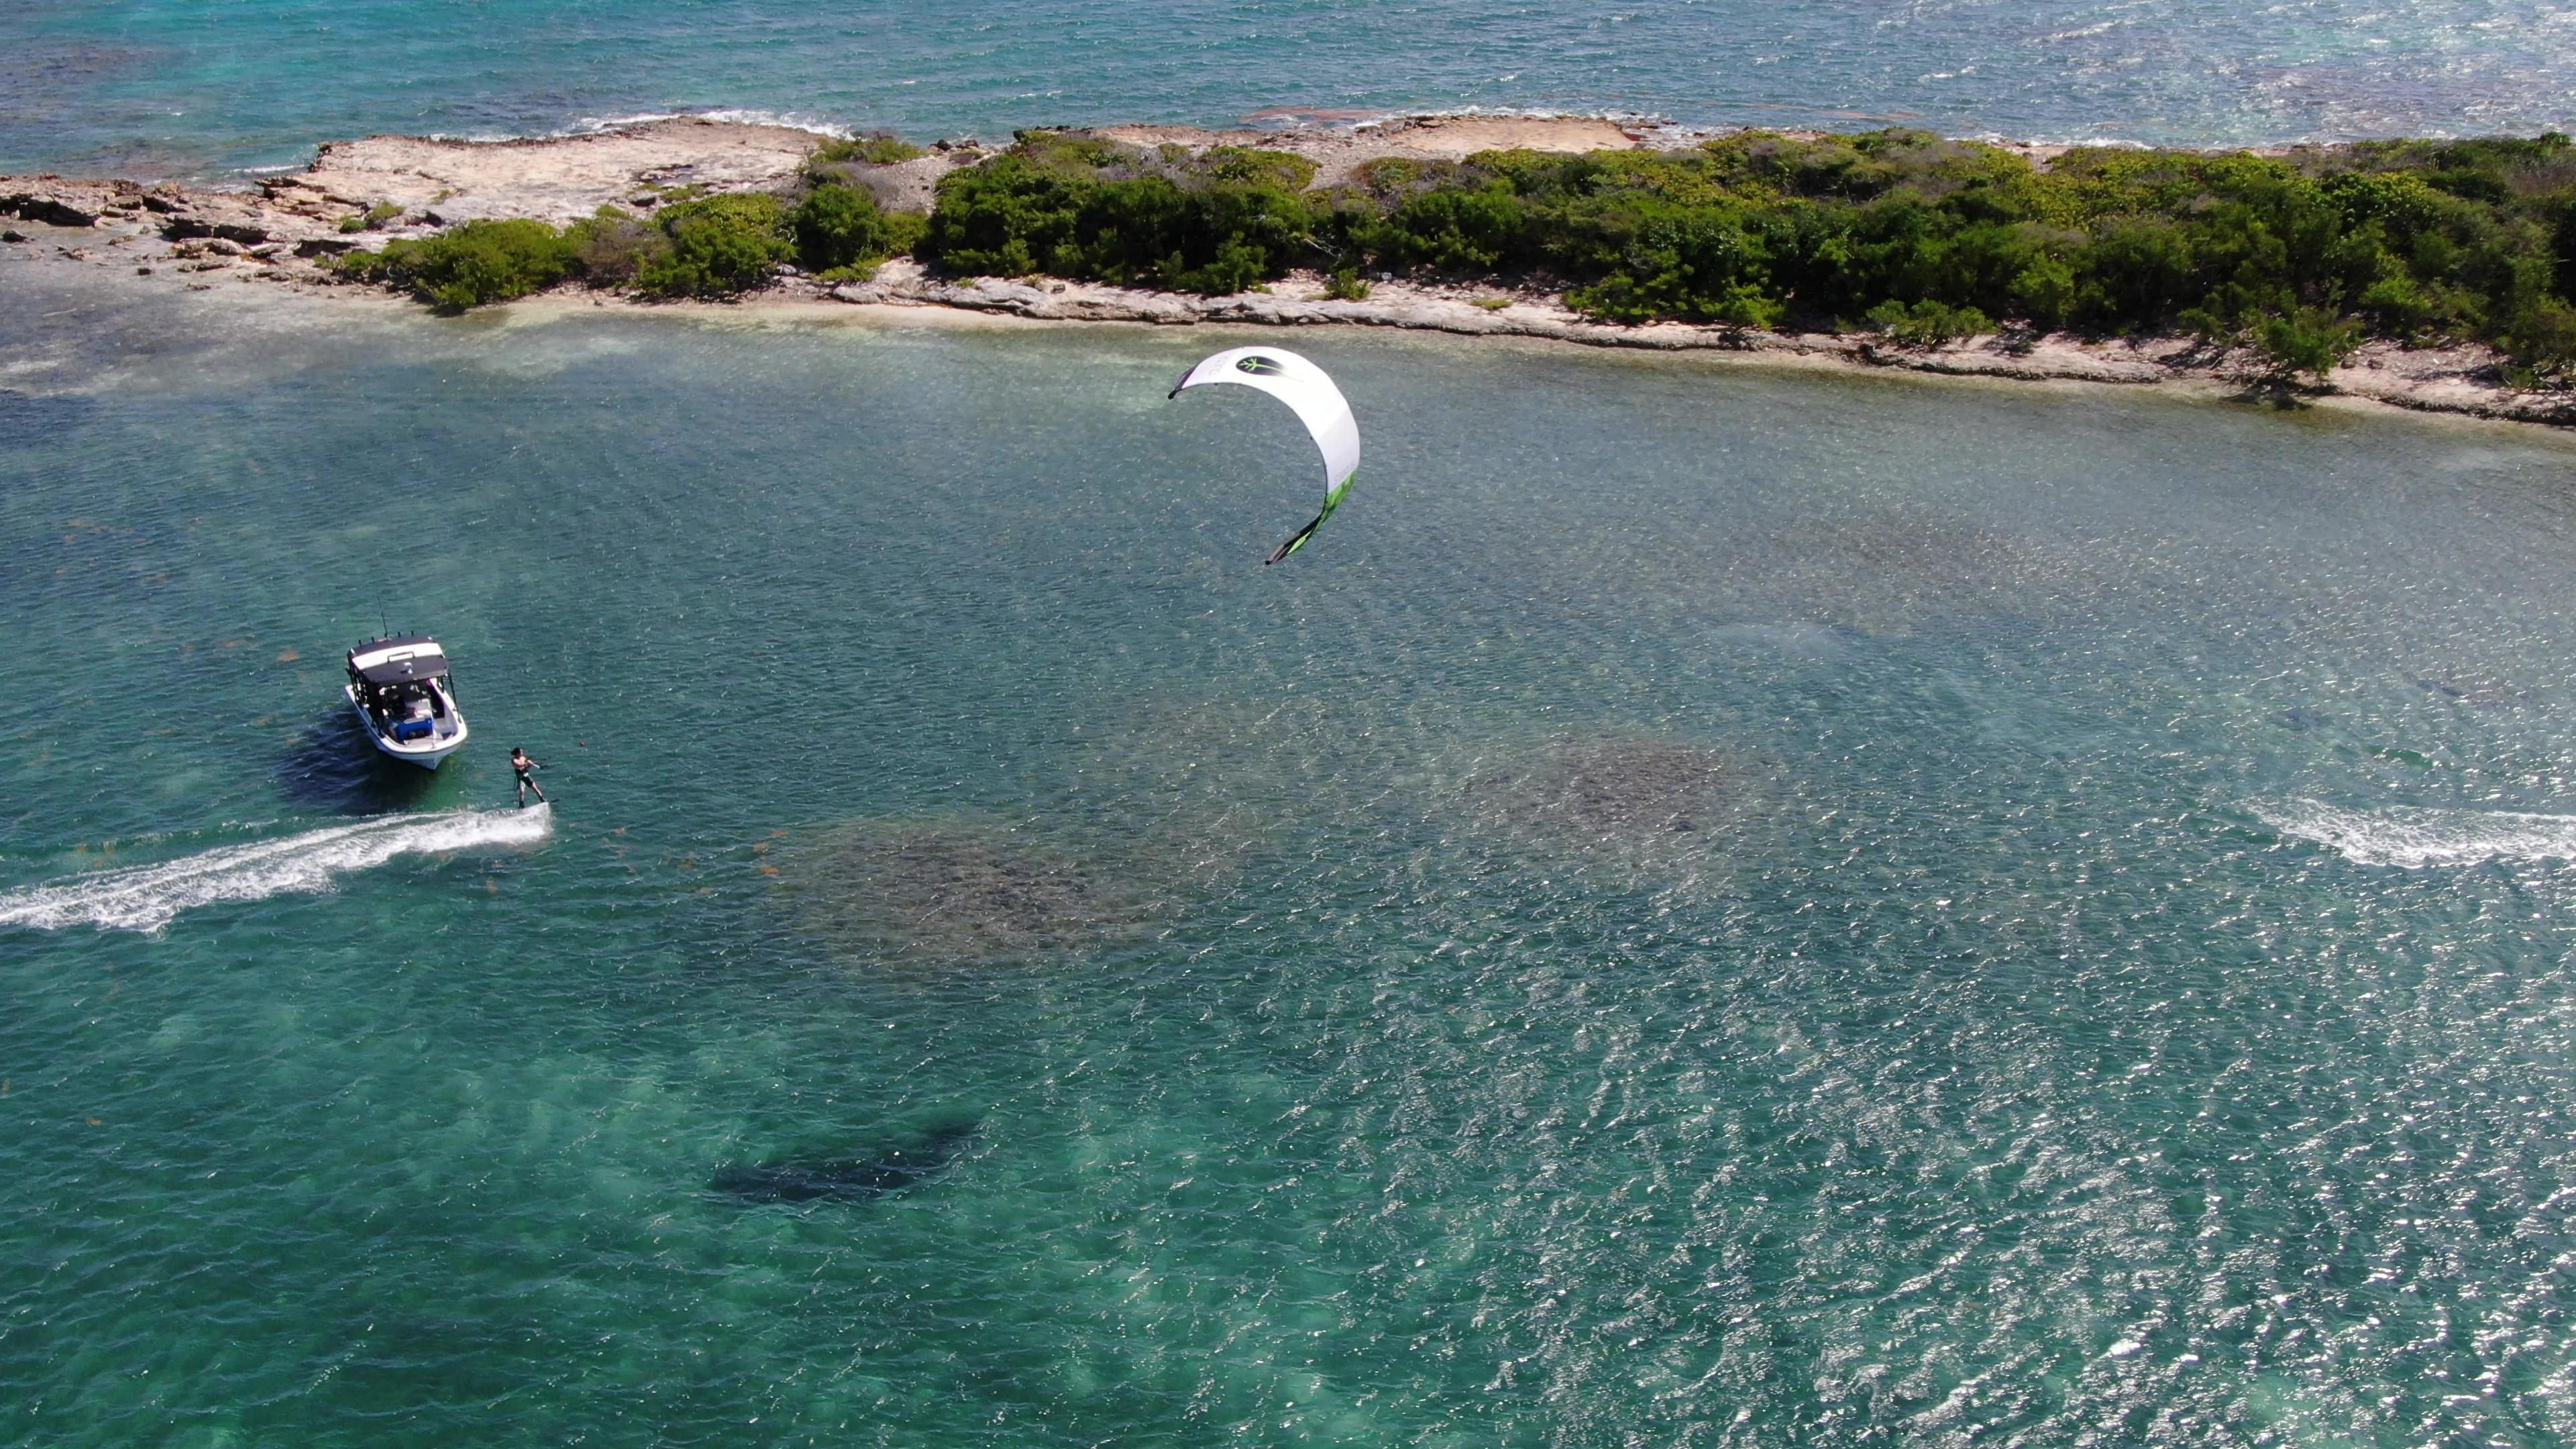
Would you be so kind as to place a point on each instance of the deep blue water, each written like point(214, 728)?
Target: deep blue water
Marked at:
point(183, 87)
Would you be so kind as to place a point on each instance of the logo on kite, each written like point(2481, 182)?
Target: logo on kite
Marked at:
point(1318, 404)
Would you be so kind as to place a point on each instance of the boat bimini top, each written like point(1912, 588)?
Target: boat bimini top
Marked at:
point(398, 660)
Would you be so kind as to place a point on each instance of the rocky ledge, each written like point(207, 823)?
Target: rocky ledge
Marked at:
point(2462, 379)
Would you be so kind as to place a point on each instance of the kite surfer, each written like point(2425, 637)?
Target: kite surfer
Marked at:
point(526, 767)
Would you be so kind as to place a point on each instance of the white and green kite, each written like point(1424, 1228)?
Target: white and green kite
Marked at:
point(1319, 405)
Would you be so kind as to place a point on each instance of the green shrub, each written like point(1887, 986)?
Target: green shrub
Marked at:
point(470, 264)
point(613, 245)
point(876, 148)
point(1927, 324)
point(720, 245)
point(359, 266)
point(1927, 237)
point(2308, 340)
point(1347, 286)
point(840, 228)
point(2542, 340)
point(375, 217)
point(1695, 264)
point(1101, 211)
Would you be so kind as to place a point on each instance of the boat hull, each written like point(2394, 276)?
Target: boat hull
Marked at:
point(429, 754)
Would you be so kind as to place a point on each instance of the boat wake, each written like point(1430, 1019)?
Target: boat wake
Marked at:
point(148, 897)
point(2416, 838)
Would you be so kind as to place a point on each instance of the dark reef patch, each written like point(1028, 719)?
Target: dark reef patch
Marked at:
point(950, 890)
point(1886, 567)
point(863, 1179)
point(1622, 811)
point(1614, 789)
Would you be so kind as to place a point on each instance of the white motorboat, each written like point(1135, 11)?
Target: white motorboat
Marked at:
point(404, 699)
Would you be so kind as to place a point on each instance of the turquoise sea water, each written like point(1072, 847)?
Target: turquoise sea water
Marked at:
point(1713, 906)
point(186, 88)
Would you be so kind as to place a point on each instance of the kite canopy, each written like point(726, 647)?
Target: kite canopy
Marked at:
point(1306, 389)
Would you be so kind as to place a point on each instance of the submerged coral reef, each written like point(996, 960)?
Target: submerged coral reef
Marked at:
point(948, 890)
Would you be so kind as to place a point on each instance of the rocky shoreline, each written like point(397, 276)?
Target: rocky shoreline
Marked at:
point(363, 193)
point(2462, 379)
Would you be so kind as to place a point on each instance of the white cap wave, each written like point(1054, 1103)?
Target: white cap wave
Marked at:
point(2416, 838)
point(148, 897)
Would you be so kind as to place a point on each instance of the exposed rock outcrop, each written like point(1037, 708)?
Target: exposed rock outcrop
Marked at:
point(51, 210)
point(2462, 379)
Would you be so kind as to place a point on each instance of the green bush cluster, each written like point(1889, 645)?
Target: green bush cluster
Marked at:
point(1922, 237)
point(859, 163)
point(841, 231)
point(1346, 285)
point(470, 263)
point(2414, 240)
point(1927, 324)
point(614, 245)
point(711, 247)
point(1068, 206)
point(719, 245)
point(1925, 239)
point(876, 148)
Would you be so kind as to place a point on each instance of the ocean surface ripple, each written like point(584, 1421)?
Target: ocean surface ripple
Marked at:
point(1713, 906)
point(168, 87)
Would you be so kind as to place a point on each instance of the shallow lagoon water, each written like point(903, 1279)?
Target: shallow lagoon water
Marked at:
point(2067, 1032)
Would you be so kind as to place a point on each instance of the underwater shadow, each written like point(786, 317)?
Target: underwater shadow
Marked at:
point(331, 766)
point(954, 891)
point(27, 419)
point(846, 1180)
point(1587, 790)
point(1622, 811)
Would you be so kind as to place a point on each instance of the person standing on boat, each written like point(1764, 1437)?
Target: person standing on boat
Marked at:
point(520, 762)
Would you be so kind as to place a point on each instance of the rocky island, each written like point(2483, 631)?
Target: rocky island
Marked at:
point(2432, 276)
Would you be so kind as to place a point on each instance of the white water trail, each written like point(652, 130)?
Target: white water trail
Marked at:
point(2415, 838)
point(148, 897)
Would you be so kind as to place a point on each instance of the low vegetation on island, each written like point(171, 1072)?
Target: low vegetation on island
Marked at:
point(2300, 255)
point(690, 246)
